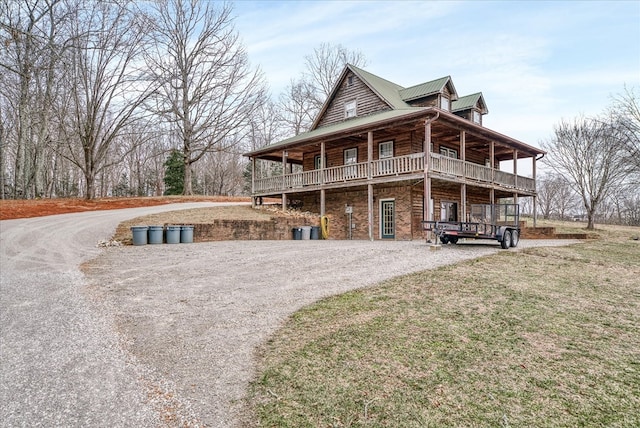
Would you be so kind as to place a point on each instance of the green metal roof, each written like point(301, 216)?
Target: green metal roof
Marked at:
point(337, 128)
point(468, 102)
point(388, 91)
point(425, 89)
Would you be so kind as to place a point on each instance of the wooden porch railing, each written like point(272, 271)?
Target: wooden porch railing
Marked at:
point(399, 165)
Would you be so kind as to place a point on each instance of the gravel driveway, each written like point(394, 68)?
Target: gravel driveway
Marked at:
point(161, 335)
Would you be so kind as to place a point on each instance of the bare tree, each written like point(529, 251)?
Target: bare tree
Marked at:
point(30, 53)
point(297, 106)
point(206, 87)
point(626, 109)
point(303, 98)
point(105, 89)
point(324, 65)
point(589, 154)
point(546, 195)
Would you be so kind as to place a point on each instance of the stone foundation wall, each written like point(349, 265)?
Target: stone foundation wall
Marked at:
point(231, 230)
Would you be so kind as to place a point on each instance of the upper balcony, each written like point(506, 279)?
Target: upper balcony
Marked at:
point(392, 169)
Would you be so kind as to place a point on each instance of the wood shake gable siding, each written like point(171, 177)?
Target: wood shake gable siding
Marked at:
point(367, 102)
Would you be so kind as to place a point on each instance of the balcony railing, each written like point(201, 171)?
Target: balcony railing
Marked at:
point(396, 166)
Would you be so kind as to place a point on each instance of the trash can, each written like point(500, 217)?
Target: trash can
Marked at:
point(306, 232)
point(139, 235)
point(155, 234)
point(296, 233)
point(186, 234)
point(173, 234)
point(315, 232)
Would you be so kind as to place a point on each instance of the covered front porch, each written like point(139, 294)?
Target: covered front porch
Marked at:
point(396, 168)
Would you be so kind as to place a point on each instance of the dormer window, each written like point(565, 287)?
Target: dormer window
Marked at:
point(444, 103)
point(350, 109)
point(476, 117)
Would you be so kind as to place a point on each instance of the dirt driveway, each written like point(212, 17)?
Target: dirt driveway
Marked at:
point(161, 335)
point(195, 313)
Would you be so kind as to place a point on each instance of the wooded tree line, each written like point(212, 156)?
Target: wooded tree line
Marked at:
point(96, 96)
point(100, 98)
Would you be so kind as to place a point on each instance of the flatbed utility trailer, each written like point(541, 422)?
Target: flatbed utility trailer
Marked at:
point(500, 222)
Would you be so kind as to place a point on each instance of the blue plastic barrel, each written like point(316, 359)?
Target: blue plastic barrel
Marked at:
point(173, 234)
point(155, 234)
point(186, 234)
point(139, 235)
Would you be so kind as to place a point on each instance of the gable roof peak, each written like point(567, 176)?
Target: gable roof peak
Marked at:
point(429, 88)
point(470, 101)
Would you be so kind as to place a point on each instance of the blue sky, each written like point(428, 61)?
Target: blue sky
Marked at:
point(534, 61)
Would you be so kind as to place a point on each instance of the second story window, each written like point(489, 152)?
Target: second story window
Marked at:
point(317, 162)
point(450, 153)
point(444, 103)
point(477, 118)
point(350, 109)
point(385, 150)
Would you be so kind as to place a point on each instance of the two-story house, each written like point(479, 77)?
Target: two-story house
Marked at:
point(380, 158)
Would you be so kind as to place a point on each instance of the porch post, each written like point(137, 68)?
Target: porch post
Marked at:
point(515, 176)
point(463, 186)
point(323, 207)
point(370, 209)
point(370, 186)
point(515, 167)
point(369, 153)
point(284, 173)
point(492, 155)
point(253, 182)
point(535, 195)
point(427, 214)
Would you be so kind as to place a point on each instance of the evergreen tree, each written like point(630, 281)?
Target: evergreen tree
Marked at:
point(174, 173)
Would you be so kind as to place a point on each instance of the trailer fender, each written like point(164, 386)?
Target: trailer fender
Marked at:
point(500, 232)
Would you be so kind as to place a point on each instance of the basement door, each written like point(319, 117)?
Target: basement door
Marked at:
point(387, 219)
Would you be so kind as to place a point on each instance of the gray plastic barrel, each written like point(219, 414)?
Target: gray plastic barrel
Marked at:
point(186, 234)
point(315, 232)
point(173, 234)
point(139, 235)
point(296, 233)
point(155, 234)
point(306, 232)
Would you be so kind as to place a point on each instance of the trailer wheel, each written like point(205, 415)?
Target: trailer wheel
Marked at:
point(453, 239)
point(506, 240)
point(514, 238)
point(444, 240)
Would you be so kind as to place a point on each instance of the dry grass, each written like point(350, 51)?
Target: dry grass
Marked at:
point(542, 337)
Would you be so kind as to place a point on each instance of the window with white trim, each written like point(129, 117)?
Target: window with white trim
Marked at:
point(385, 150)
point(451, 153)
point(444, 103)
point(350, 109)
point(385, 153)
point(476, 117)
point(351, 156)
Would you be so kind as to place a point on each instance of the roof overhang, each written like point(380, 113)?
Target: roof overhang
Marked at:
point(443, 120)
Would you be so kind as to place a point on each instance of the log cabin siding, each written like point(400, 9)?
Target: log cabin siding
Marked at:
point(430, 101)
point(403, 144)
point(367, 102)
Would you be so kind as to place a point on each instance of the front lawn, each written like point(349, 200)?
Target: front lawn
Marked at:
point(540, 337)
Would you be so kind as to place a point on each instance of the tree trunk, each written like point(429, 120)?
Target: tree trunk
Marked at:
point(187, 189)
